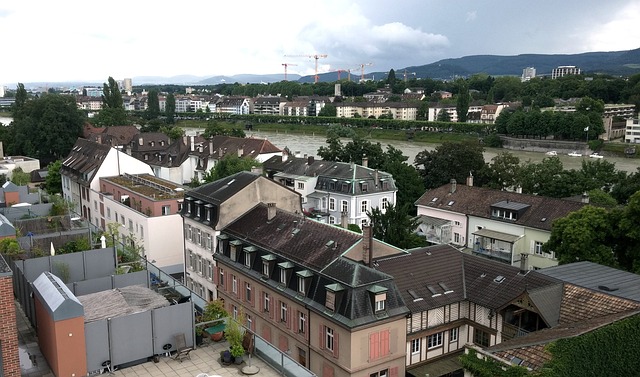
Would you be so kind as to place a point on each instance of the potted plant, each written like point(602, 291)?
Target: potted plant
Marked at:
point(235, 334)
point(212, 311)
point(237, 351)
point(225, 356)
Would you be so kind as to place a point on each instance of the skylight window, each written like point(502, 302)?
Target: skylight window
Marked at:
point(451, 202)
point(499, 279)
point(434, 199)
point(433, 291)
point(414, 295)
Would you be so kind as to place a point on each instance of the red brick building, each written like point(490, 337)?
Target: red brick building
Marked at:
point(9, 358)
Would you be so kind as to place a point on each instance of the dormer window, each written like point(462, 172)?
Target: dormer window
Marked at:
point(285, 272)
point(249, 252)
point(378, 295)
point(365, 187)
point(304, 281)
point(223, 240)
point(235, 250)
point(267, 264)
point(198, 208)
point(334, 293)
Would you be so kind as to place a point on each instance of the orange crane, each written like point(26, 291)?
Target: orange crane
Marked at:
point(362, 70)
point(344, 70)
point(285, 69)
point(314, 56)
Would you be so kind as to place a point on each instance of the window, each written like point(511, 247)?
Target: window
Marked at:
point(364, 206)
point(283, 312)
point(300, 186)
point(208, 242)
point(302, 322)
point(199, 266)
point(330, 302)
point(365, 187)
point(189, 232)
point(302, 285)
point(208, 211)
point(456, 237)
point(481, 338)
point(453, 335)
point(332, 219)
point(197, 211)
point(329, 338)
point(141, 231)
point(247, 259)
point(221, 280)
point(247, 288)
point(266, 301)
point(537, 247)
point(283, 275)
point(456, 223)
point(108, 213)
point(210, 270)
point(234, 284)
point(166, 210)
point(198, 236)
point(332, 204)
point(249, 321)
point(234, 311)
point(191, 259)
point(130, 225)
point(384, 203)
point(380, 303)
point(434, 340)
point(344, 206)
point(415, 346)
point(265, 268)
point(122, 219)
point(384, 373)
point(363, 223)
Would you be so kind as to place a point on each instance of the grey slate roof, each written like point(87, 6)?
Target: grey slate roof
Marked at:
point(222, 189)
point(477, 201)
point(467, 277)
point(85, 157)
point(598, 278)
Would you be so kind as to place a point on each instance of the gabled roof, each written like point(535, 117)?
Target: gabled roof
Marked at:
point(113, 136)
point(85, 157)
point(579, 304)
point(443, 268)
point(477, 201)
point(230, 145)
point(223, 189)
point(157, 149)
point(271, 100)
point(599, 278)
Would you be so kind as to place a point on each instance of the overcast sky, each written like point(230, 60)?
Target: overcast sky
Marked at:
point(54, 41)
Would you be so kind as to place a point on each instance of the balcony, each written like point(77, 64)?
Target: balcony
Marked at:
point(511, 331)
point(499, 254)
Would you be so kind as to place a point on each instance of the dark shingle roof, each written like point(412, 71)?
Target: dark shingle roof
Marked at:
point(85, 157)
point(469, 278)
point(222, 189)
point(598, 278)
point(477, 201)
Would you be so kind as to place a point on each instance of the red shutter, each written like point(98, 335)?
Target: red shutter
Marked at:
point(335, 343)
point(306, 327)
point(393, 372)
point(384, 343)
point(271, 311)
point(216, 272)
point(282, 343)
point(252, 297)
point(289, 309)
point(227, 283)
point(295, 322)
point(327, 370)
point(321, 337)
point(374, 346)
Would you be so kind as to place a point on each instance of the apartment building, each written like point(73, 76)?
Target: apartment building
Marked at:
point(632, 131)
point(269, 105)
point(401, 111)
point(147, 211)
point(564, 70)
point(211, 207)
point(308, 288)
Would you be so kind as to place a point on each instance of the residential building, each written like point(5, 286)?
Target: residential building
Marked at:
point(268, 105)
point(118, 136)
point(334, 192)
point(147, 210)
point(528, 73)
point(442, 94)
point(9, 353)
point(81, 172)
point(9, 163)
point(457, 299)
point(233, 105)
point(168, 158)
point(7, 229)
point(632, 131)
point(12, 194)
point(500, 225)
point(296, 108)
point(490, 113)
point(183, 104)
point(310, 290)
point(89, 103)
point(211, 207)
point(564, 70)
point(434, 113)
point(401, 111)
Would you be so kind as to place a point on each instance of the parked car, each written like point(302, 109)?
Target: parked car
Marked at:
point(596, 155)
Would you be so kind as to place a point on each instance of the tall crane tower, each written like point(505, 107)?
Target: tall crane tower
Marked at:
point(362, 70)
point(408, 73)
point(285, 69)
point(314, 56)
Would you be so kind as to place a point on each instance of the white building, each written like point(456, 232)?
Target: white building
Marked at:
point(528, 73)
point(565, 70)
point(632, 131)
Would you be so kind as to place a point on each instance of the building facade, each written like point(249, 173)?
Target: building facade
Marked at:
point(564, 70)
point(632, 131)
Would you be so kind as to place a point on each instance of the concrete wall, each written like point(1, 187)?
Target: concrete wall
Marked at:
point(533, 145)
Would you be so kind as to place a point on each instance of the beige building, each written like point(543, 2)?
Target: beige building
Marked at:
point(308, 289)
point(211, 207)
point(400, 111)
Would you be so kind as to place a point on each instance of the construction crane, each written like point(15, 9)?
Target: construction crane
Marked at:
point(409, 73)
point(362, 70)
point(344, 70)
point(285, 69)
point(314, 56)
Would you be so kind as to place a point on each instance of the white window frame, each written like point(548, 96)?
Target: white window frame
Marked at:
point(364, 206)
point(283, 312)
point(247, 287)
point(434, 340)
point(332, 204)
point(234, 284)
point(453, 334)
point(415, 346)
point(344, 206)
point(329, 338)
point(302, 321)
point(537, 247)
point(302, 285)
point(380, 305)
point(247, 259)
point(266, 302)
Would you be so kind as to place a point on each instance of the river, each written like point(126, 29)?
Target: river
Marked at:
point(309, 144)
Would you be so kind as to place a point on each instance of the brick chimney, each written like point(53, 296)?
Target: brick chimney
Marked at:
point(271, 211)
point(240, 152)
point(585, 198)
point(210, 146)
point(367, 245)
point(140, 141)
point(193, 146)
point(365, 161)
point(344, 220)
point(285, 156)
point(453, 186)
point(524, 263)
point(376, 177)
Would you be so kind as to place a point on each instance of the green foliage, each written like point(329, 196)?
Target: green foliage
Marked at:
point(214, 310)
point(601, 198)
point(174, 133)
point(73, 246)
point(153, 104)
point(111, 117)
point(394, 226)
point(111, 96)
point(449, 161)
point(462, 101)
point(443, 116)
point(47, 127)
point(229, 165)
point(9, 246)
point(234, 333)
point(489, 367)
point(408, 181)
point(608, 351)
point(503, 172)
point(3, 179)
point(354, 228)
point(214, 128)
point(61, 270)
point(53, 182)
point(59, 206)
point(328, 110)
point(19, 177)
point(20, 101)
point(492, 141)
point(170, 108)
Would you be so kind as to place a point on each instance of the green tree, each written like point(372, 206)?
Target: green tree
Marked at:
point(20, 101)
point(449, 161)
point(153, 104)
point(394, 226)
point(53, 182)
point(19, 177)
point(423, 110)
point(111, 95)
point(623, 190)
point(391, 78)
point(584, 235)
point(174, 133)
point(601, 198)
point(408, 181)
point(229, 165)
point(503, 172)
point(48, 127)
point(548, 178)
point(627, 235)
point(328, 110)
point(462, 101)
point(443, 116)
point(170, 108)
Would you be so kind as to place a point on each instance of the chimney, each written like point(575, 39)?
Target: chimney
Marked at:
point(344, 220)
point(99, 139)
point(305, 156)
point(185, 140)
point(376, 177)
point(470, 180)
point(271, 211)
point(524, 263)
point(193, 143)
point(1, 150)
point(128, 150)
point(585, 198)
point(210, 146)
point(365, 161)
point(140, 141)
point(285, 156)
point(240, 152)
point(367, 245)
point(453, 186)
point(310, 160)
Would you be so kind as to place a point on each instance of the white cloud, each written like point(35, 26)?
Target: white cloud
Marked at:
point(621, 33)
point(471, 16)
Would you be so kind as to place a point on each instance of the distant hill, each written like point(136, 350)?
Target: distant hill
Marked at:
point(624, 63)
point(247, 78)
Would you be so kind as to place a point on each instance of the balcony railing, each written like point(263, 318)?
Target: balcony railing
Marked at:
point(500, 254)
point(511, 331)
